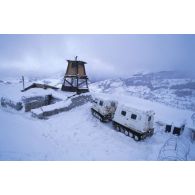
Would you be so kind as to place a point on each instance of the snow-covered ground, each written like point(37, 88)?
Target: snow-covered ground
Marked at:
point(77, 135)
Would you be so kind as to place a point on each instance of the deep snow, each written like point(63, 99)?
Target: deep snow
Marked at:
point(77, 135)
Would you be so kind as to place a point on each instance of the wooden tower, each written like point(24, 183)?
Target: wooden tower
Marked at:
point(75, 79)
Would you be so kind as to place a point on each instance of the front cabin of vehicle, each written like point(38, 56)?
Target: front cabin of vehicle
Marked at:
point(104, 108)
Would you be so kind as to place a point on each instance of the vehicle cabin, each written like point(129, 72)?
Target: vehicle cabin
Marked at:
point(104, 109)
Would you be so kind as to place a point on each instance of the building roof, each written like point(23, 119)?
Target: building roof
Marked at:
point(78, 61)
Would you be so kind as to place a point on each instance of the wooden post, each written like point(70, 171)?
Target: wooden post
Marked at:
point(23, 82)
point(77, 84)
point(87, 83)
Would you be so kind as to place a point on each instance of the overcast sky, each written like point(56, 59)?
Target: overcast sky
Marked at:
point(107, 56)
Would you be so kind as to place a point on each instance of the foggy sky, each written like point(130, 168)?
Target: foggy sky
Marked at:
point(107, 56)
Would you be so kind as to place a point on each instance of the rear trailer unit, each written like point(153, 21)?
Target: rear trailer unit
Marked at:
point(137, 124)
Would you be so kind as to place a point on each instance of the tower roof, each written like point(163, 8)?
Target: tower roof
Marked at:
point(76, 67)
point(78, 61)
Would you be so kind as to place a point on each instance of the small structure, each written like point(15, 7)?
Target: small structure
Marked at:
point(176, 129)
point(75, 79)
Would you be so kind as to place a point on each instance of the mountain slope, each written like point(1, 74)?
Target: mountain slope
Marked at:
point(170, 88)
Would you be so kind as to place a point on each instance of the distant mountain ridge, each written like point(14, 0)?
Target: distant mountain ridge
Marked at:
point(167, 87)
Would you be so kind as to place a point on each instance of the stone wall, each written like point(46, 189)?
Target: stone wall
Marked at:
point(5, 102)
point(36, 102)
point(74, 102)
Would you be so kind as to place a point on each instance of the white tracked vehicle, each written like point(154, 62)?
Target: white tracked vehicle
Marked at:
point(104, 109)
point(137, 124)
point(134, 123)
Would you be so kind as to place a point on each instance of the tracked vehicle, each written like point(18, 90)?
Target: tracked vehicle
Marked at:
point(137, 124)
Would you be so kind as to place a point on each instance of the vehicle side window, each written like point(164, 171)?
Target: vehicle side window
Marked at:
point(133, 116)
point(149, 118)
point(123, 113)
point(101, 103)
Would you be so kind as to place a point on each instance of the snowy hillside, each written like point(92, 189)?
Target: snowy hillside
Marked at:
point(170, 88)
point(77, 135)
